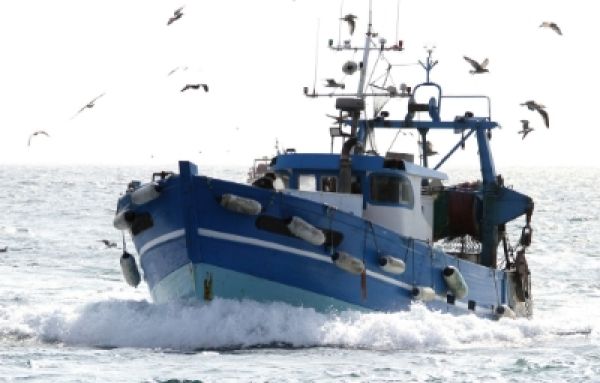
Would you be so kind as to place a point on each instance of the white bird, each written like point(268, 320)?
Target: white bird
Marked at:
point(35, 134)
point(108, 243)
point(429, 147)
point(177, 14)
point(195, 86)
point(350, 19)
point(532, 105)
point(526, 129)
point(89, 105)
point(551, 25)
point(477, 67)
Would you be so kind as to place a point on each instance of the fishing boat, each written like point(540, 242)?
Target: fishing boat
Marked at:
point(353, 229)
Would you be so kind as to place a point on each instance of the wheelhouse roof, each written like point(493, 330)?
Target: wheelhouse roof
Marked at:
point(325, 162)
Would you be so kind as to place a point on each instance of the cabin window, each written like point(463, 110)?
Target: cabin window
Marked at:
point(329, 184)
point(307, 182)
point(391, 189)
point(282, 181)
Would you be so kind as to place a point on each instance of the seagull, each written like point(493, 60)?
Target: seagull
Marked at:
point(176, 16)
point(349, 18)
point(526, 129)
point(331, 83)
point(108, 243)
point(477, 67)
point(3, 249)
point(532, 105)
point(88, 105)
point(176, 69)
point(551, 25)
point(194, 86)
point(35, 134)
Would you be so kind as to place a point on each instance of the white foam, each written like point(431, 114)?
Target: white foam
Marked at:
point(224, 324)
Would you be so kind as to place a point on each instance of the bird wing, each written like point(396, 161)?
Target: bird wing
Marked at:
point(555, 28)
point(544, 116)
point(178, 11)
point(484, 63)
point(473, 63)
point(205, 86)
point(186, 87)
point(330, 82)
point(525, 124)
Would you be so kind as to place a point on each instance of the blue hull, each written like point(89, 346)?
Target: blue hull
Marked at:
point(197, 249)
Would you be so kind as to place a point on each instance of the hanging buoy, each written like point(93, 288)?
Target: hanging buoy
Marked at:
point(391, 265)
point(241, 205)
point(504, 311)
point(124, 219)
point(145, 193)
point(347, 262)
point(455, 281)
point(423, 293)
point(129, 269)
point(304, 230)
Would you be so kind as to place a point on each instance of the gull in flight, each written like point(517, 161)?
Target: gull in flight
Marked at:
point(429, 148)
point(532, 105)
point(89, 105)
point(195, 86)
point(176, 16)
point(176, 69)
point(526, 129)
point(331, 83)
point(108, 243)
point(349, 18)
point(35, 134)
point(477, 67)
point(551, 25)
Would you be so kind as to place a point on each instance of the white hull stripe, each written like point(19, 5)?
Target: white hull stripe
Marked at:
point(162, 239)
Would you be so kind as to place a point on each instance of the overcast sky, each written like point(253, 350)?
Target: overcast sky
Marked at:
point(256, 56)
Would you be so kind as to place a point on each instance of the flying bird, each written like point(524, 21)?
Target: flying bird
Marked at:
point(477, 67)
point(526, 129)
point(195, 86)
point(331, 83)
point(35, 134)
point(108, 243)
point(551, 25)
point(89, 105)
point(532, 105)
point(176, 69)
point(349, 18)
point(177, 14)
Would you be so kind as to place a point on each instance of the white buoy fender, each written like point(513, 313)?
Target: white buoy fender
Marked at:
point(145, 193)
point(347, 262)
point(130, 270)
point(241, 205)
point(455, 281)
point(504, 311)
point(124, 219)
point(423, 293)
point(304, 230)
point(391, 265)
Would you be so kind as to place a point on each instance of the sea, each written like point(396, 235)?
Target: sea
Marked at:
point(66, 314)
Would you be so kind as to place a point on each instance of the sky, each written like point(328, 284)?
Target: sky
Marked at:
point(256, 57)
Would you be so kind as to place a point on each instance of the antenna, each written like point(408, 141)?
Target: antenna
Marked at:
point(340, 23)
point(316, 55)
point(397, 18)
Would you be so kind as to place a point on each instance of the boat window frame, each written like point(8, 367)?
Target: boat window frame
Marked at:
point(404, 180)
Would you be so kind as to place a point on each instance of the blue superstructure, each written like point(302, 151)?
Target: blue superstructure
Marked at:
point(353, 229)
